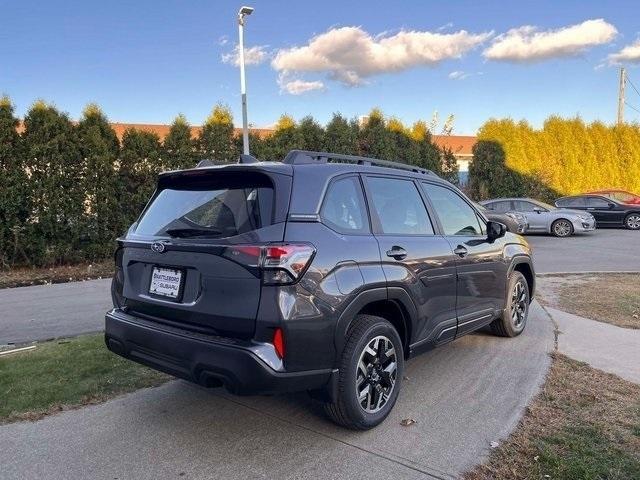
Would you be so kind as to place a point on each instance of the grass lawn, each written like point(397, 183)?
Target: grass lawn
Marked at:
point(584, 425)
point(22, 277)
point(611, 298)
point(64, 374)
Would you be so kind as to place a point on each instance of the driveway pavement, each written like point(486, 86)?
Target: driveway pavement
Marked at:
point(609, 250)
point(43, 312)
point(463, 396)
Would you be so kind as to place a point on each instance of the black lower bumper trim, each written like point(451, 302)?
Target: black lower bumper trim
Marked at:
point(204, 361)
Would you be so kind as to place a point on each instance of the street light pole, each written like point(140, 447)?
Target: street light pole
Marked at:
point(242, 13)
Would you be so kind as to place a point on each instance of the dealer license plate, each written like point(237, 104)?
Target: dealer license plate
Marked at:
point(166, 282)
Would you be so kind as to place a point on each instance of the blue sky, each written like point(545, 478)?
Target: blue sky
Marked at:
point(146, 61)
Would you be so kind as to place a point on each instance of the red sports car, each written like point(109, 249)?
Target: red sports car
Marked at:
point(620, 195)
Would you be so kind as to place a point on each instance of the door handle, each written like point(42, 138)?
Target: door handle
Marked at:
point(397, 252)
point(461, 251)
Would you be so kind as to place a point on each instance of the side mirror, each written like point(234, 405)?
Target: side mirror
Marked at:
point(537, 209)
point(612, 206)
point(495, 230)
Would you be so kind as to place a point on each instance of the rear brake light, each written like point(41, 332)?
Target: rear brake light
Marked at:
point(278, 343)
point(286, 263)
point(280, 263)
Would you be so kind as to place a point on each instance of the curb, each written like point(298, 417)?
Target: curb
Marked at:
point(589, 272)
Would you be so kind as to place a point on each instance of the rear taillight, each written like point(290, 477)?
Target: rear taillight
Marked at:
point(280, 264)
point(278, 342)
point(284, 264)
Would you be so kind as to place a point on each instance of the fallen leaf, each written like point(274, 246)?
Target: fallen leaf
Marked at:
point(407, 422)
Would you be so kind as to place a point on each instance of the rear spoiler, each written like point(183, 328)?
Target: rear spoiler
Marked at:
point(244, 159)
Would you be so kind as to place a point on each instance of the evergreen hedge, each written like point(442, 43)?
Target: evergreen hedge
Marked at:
point(68, 190)
point(564, 157)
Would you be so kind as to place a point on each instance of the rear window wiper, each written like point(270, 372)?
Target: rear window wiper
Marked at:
point(193, 232)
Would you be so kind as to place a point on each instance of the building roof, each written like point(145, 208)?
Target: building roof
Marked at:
point(460, 145)
point(162, 129)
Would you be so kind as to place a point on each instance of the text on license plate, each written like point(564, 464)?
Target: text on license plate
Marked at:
point(165, 282)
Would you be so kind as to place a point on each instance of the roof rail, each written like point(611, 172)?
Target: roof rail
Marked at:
point(305, 157)
point(246, 158)
point(205, 163)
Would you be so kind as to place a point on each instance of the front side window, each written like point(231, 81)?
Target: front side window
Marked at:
point(343, 208)
point(399, 207)
point(527, 207)
point(456, 216)
point(596, 202)
point(574, 202)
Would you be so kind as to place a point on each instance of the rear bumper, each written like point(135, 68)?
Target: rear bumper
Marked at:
point(242, 367)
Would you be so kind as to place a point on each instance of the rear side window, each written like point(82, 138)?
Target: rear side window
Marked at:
point(456, 216)
point(215, 209)
point(343, 209)
point(500, 207)
point(399, 207)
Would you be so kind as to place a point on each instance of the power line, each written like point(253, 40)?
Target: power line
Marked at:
point(631, 83)
point(631, 107)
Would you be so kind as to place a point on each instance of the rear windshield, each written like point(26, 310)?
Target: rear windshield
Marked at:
point(218, 208)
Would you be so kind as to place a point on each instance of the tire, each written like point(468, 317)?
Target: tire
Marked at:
point(367, 334)
point(514, 317)
point(632, 221)
point(562, 228)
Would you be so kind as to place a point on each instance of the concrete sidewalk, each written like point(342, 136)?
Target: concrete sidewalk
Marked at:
point(606, 347)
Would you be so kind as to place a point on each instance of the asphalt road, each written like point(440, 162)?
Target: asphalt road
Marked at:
point(43, 312)
point(463, 396)
point(608, 250)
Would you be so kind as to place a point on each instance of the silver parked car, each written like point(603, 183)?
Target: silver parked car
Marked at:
point(515, 222)
point(545, 218)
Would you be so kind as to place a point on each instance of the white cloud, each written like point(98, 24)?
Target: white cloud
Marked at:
point(446, 26)
point(252, 55)
point(350, 55)
point(223, 40)
point(630, 53)
point(458, 75)
point(528, 44)
point(298, 87)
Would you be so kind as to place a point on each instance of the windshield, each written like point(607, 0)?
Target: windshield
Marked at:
point(215, 213)
point(624, 196)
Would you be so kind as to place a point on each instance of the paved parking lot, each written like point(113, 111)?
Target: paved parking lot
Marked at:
point(604, 250)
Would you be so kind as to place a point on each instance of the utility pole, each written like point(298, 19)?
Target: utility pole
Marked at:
point(244, 11)
point(623, 81)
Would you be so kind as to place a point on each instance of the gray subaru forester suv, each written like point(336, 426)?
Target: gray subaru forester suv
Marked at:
point(322, 273)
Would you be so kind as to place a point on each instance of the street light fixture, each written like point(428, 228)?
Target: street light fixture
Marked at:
point(243, 12)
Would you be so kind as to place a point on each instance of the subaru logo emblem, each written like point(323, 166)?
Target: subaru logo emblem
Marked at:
point(157, 247)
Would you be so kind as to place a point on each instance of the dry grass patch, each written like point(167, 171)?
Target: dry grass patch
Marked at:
point(584, 425)
point(612, 298)
point(23, 277)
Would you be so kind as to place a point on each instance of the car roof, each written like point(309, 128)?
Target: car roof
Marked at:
point(319, 169)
